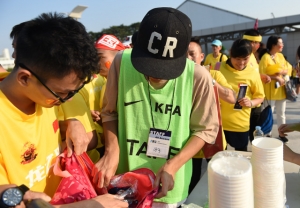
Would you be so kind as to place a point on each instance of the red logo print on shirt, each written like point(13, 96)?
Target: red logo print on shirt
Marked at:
point(28, 153)
point(55, 125)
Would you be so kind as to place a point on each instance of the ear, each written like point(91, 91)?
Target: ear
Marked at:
point(202, 55)
point(23, 77)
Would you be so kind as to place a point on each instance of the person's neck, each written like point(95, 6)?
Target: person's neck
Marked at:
point(15, 96)
point(216, 54)
point(157, 83)
point(273, 53)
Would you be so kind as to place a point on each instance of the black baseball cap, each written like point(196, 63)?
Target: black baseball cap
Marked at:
point(162, 42)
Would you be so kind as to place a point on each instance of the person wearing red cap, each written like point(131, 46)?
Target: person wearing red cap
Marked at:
point(107, 47)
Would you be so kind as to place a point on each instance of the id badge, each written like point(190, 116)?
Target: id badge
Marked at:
point(158, 143)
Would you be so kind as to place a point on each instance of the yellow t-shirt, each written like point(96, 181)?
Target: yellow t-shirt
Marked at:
point(93, 96)
point(238, 120)
point(211, 60)
point(253, 62)
point(91, 92)
point(271, 92)
point(78, 109)
point(29, 146)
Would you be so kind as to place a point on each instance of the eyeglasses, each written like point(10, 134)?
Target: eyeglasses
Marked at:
point(62, 100)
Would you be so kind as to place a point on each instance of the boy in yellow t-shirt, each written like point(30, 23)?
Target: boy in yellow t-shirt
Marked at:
point(107, 47)
point(42, 79)
point(216, 56)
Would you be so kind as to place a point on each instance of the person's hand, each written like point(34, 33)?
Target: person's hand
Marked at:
point(281, 81)
point(30, 195)
point(245, 102)
point(285, 128)
point(108, 201)
point(101, 201)
point(166, 178)
point(76, 137)
point(265, 78)
point(105, 169)
point(95, 115)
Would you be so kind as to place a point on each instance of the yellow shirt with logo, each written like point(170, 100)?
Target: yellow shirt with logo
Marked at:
point(29, 146)
point(211, 60)
point(271, 92)
point(238, 120)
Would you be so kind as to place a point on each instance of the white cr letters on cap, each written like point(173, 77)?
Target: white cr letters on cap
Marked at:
point(168, 46)
point(154, 34)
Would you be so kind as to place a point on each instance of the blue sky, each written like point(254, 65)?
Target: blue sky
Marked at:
point(102, 14)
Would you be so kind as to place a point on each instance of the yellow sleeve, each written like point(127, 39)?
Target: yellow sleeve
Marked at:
point(220, 79)
point(289, 68)
point(78, 109)
point(257, 89)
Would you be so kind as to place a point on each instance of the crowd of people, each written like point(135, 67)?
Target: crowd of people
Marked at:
point(149, 106)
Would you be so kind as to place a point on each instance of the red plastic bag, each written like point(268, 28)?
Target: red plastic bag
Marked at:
point(76, 183)
point(140, 182)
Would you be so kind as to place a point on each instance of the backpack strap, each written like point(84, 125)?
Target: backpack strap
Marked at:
point(221, 57)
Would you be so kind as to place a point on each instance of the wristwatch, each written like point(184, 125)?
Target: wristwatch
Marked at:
point(12, 197)
point(213, 82)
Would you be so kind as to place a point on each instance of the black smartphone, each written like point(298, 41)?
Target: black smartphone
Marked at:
point(241, 94)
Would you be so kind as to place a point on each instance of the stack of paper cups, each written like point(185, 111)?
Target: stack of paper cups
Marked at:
point(268, 173)
point(230, 183)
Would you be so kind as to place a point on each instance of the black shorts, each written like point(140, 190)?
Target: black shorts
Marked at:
point(237, 139)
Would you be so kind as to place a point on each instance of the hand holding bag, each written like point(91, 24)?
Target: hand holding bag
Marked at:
point(76, 183)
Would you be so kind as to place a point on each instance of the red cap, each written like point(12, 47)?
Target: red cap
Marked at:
point(109, 42)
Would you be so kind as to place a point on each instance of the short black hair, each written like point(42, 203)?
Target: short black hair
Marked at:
point(53, 46)
point(252, 32)
point(240, 48)
point(17, 29)
point(196, 39)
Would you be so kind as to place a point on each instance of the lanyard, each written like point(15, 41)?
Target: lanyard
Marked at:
point(151, 105)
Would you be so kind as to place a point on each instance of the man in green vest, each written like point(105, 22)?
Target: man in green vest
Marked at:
point(161, 112)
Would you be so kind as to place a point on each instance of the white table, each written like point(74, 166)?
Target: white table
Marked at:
point(199, 195)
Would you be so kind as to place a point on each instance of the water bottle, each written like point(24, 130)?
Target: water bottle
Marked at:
point(258, 132)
